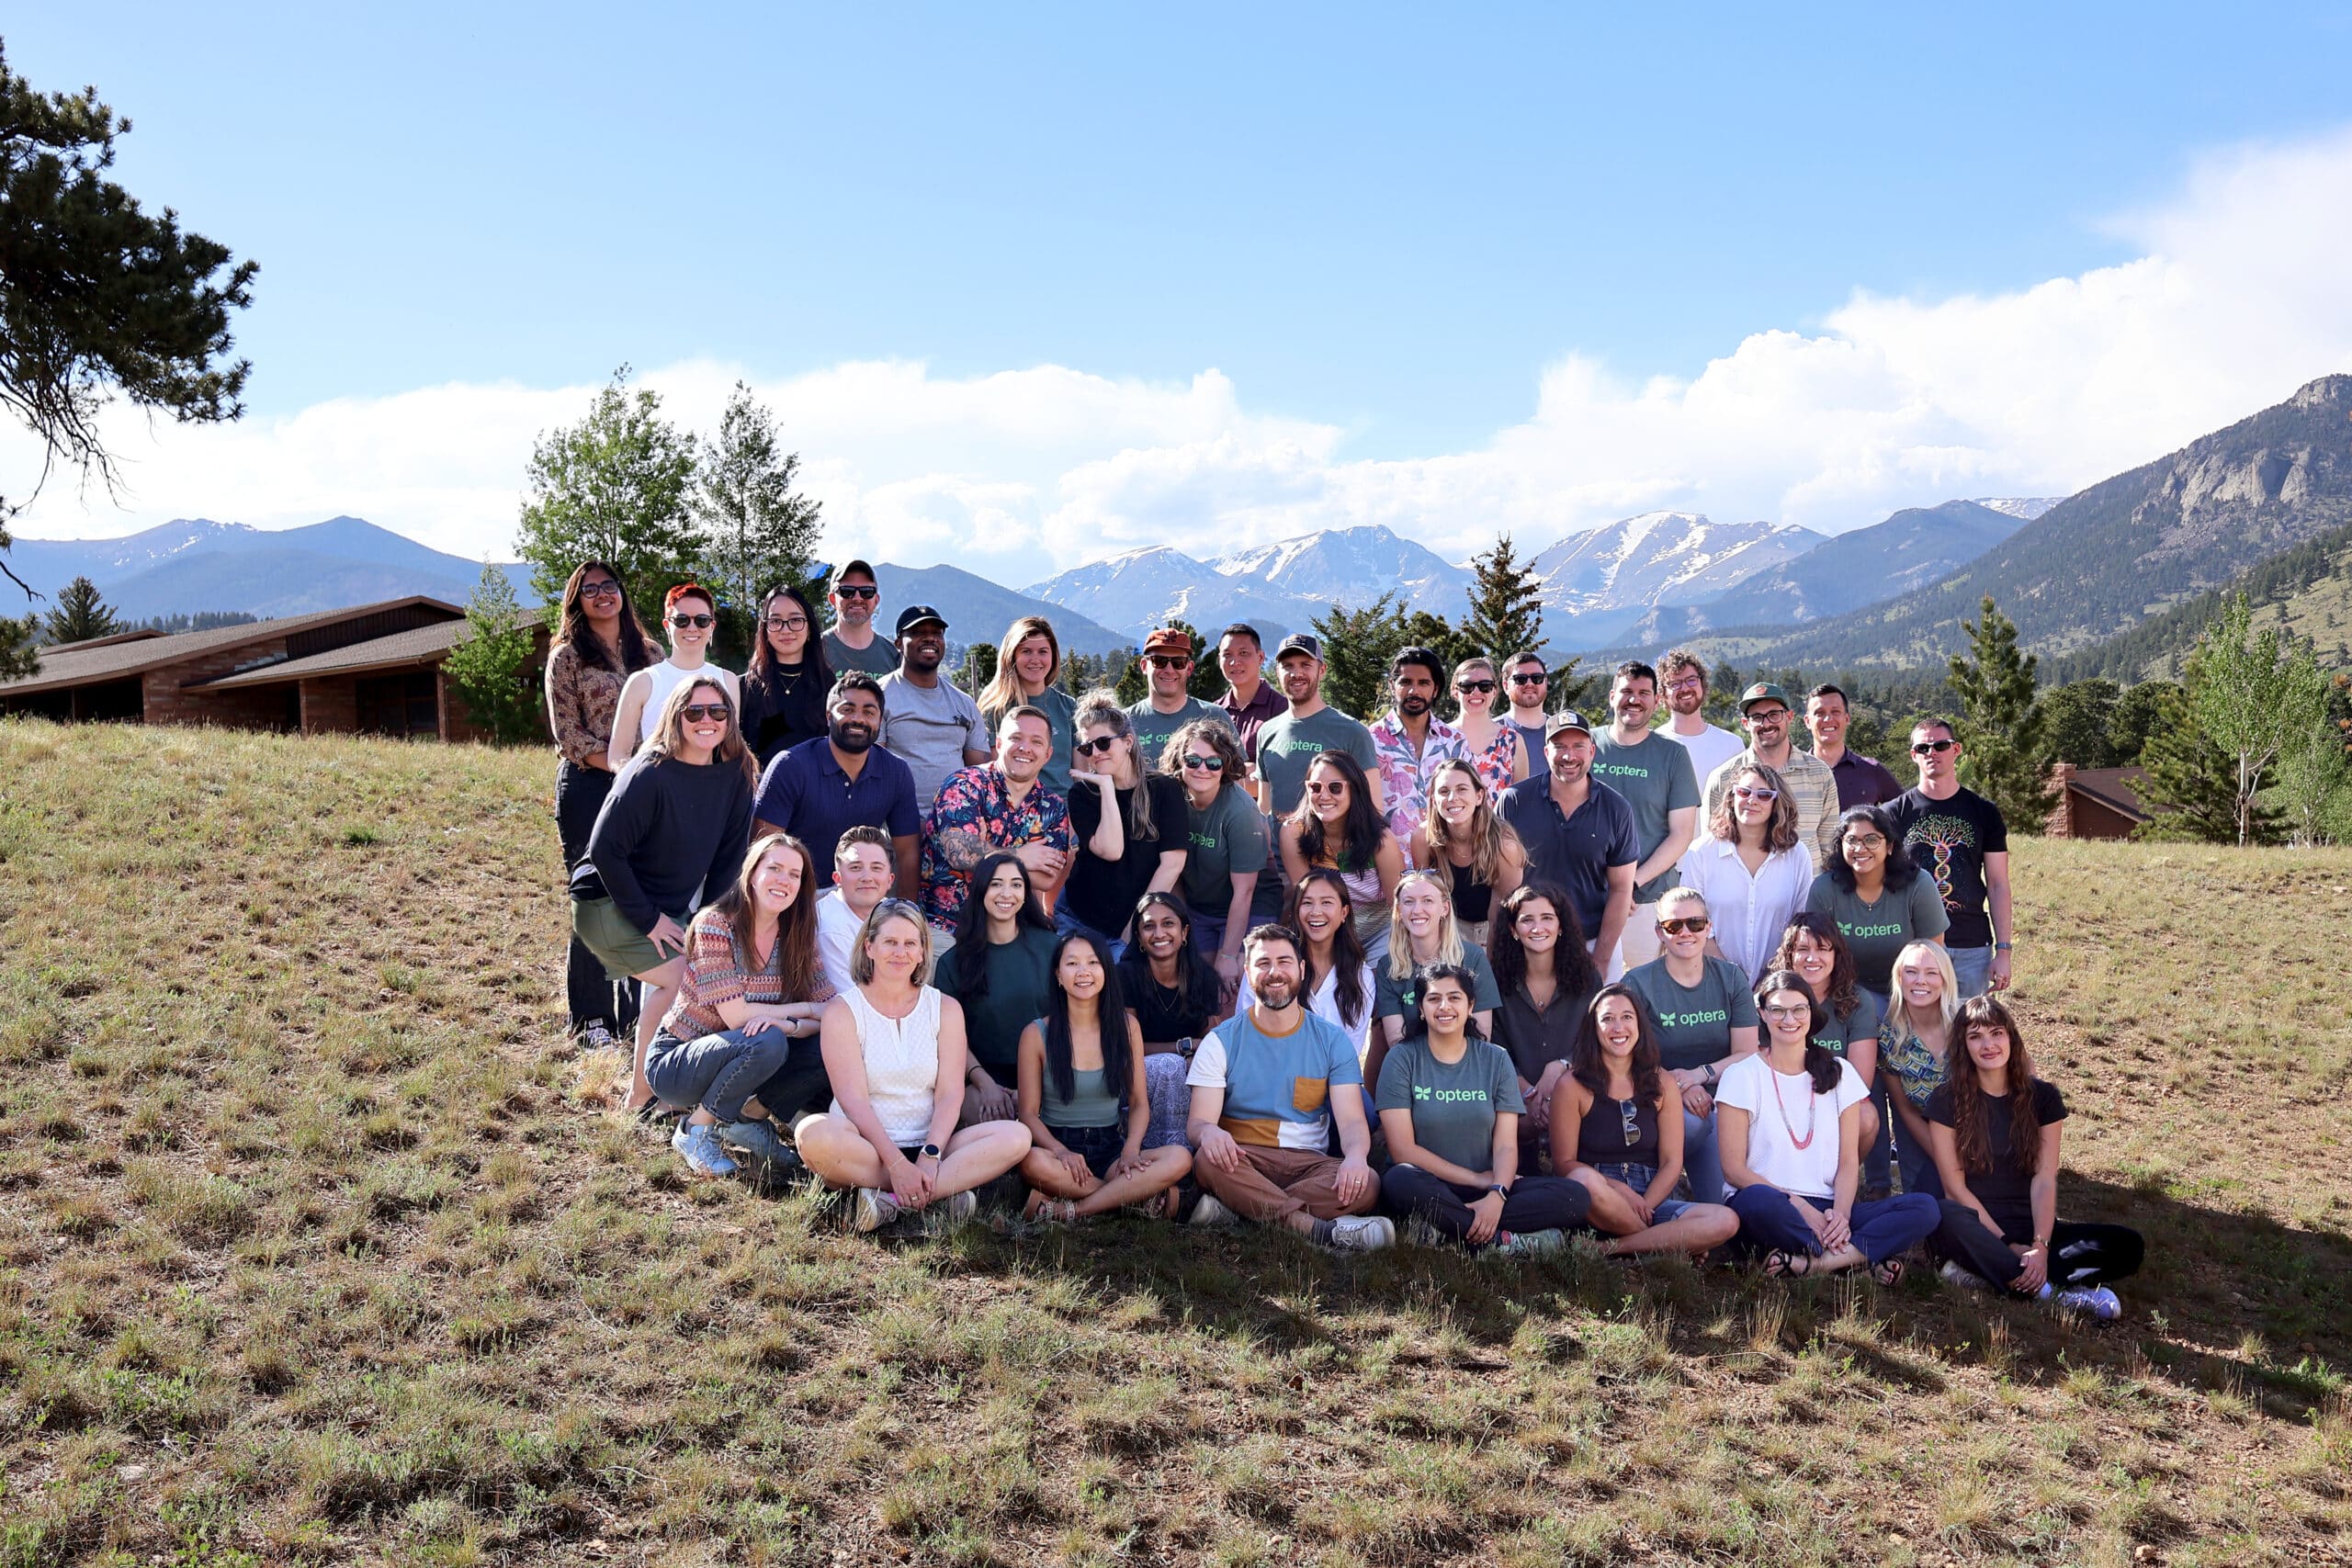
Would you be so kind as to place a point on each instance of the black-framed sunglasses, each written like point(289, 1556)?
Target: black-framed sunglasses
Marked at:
point(1206, 764)
point(1171, 662)
point(1680, 923)
point(703, 621)
point(694, 712)
point(849, 592)
point(1475, 688)
point(1921, 747)
point(607, 589)
point(1526, 680)
point(1100, 744)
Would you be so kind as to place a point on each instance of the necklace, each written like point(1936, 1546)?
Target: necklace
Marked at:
point(1812, 1115)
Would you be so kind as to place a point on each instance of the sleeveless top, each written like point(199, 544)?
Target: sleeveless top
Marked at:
point(1093, 1101)
point(1370, 918)
point(902, 1064)
point(1473, 900)
point(1601, 1136)
point(661, 680)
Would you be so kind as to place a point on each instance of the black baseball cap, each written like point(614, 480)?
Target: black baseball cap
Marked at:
point(1301, 642)
point(914, 615)
point(1566, 718)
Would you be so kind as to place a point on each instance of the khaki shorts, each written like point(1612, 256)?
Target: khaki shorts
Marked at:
point(624, 951)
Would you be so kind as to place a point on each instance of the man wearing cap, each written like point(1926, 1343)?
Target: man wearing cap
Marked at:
point(926, 721)
point(1166, 665)
point(1312, 727)
point(851, 643)
point(1766, 713)
point(1656, 779)
point(1578, 831)
point(1411, 740)
point(1249, 698)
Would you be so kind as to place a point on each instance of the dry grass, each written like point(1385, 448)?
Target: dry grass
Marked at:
point(311, 1248)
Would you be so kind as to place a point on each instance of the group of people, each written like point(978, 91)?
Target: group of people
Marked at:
point(1499, 978)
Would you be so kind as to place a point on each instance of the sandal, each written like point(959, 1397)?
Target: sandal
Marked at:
point(1058, 1211)
point(1890, 1273)
point(1783, 1264)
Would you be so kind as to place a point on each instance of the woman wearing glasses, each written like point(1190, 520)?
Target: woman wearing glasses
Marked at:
point(1791, 1149)
point(1028, 657)
point(1879, 899)
point(1752, 869)
point(1464, 840)
point(1338, 827)
point(1616, 1129)
point(1130, 823)
point(689, 613)
point(1705, 1020)
point(598, 645)
point(1493, 747)
point(673, 828)
point(788, 684)
point(1848, 1025)
point(1229, 844)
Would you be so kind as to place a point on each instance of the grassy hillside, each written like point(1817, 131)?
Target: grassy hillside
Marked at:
point(314, 1246)
point(2308, 590)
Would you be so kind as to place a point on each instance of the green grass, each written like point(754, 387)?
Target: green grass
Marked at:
point(316, 1245)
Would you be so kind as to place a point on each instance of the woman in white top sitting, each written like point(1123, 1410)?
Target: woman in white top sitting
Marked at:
point(1751, 868)
point(688, 615)
point(1789, 1133)
point(894, 1052)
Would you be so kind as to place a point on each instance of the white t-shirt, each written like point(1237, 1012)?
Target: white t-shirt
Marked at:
point(837, 928)
point(1750, 1084)
point(1325, 1004)
point(1710, 750)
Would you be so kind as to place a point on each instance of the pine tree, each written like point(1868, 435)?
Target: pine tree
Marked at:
point(486, 666)
point(19, 658)
point(2188, 776)
point(1506, 603)
point(2077, 724)
point(1130, 687)
point(613, 488)
point(2000, 721)
point(1357, 645)
point(757, 535)
point(1206, 682)
point(79, 615)
point(2137, 714)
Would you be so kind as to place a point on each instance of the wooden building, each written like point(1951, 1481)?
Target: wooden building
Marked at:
point(2095, 803)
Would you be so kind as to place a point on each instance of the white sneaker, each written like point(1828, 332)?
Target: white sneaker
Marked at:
point(1363, 1233)
point(950, 1211)
point(1952, 1274)
point(1208, 1212)
point(872, 1209)
point(2098, 1301)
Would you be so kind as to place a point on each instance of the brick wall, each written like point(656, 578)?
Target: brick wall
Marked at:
point(166, 700)
point(330, 706)
point(2060, 823)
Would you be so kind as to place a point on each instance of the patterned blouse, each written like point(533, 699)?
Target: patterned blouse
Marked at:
point(1903, 1053)
point(973, 800)
point(1495, 763)
point(717, 970)
point(580, 700)
point(1404, 778)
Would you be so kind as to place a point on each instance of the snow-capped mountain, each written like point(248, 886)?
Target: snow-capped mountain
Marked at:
point(1339, 563)
point(1660, 558)
point(2025, 509)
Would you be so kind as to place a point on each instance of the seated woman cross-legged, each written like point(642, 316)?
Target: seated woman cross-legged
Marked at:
point(1450, 1107)
point(750, 988)
point(1791, 1136)
point(1617, 1131)
point(1995, 1124)
point(894, 1050)
point(1705, 1019)
point(1172, 993)
point(1083, 1099)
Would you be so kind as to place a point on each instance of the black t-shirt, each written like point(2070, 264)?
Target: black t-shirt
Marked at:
point(1536, 1037)
point(1161, 1013)
point(2005, 1185)
point(1949, 841)
point(1103, 893)
point(779, 715)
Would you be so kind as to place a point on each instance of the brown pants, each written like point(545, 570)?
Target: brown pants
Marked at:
point(1274, 1184)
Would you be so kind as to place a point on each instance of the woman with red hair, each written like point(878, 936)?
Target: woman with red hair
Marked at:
point(689, 614)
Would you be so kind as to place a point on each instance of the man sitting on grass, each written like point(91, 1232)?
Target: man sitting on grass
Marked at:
point(1267, 1085)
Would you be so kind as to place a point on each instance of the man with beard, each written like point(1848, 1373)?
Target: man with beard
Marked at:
point(1578, 831)
point(1411, 741)
point(851, 643)
point(821, 788)
point(1766, 714)
point(1710, 746)
point(1268, 1085)
point(1656, 779)
point(931, 724)
point(1000, 804)
point(1288, 743)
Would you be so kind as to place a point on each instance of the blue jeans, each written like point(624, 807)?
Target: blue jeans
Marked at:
point(1973, 968)
point(1768, 1223)
point(1208, 935)
point(1638, 1178)
point(1702, 1163)
point(718, 1072)
point(1065, 923)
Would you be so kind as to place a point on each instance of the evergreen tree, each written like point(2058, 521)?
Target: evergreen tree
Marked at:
point(613, 488)
point(2000, 721)
point(1506, 603)
point(19, 658)
point(2077, 723)
point(2188, 776)
point(79, 615)
point(2243, 687)
point(757, 535)
point(1129, 685)
point(487, 664)
point(1567, 689)
point(979, 667)
point(1206, 682)
point(2137, 714)
point(1357, 645)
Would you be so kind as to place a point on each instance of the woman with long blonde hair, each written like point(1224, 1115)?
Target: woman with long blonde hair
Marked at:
point(1463, 838)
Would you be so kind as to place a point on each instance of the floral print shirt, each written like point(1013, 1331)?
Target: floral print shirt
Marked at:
point(1404, 778)
point(580, 702)
point(975, 801)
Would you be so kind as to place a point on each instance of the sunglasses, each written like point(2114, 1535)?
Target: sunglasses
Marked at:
point(600, 589)
point(788, 623)
point(866, 592)
point(1476, 688)
point(1535, 680)
point(1337, 786)
point(1680, 923)
point(1629, 1116)
point(1747, 791)
point(694, 712)
point(1099, 744)
point(690, 620)
point(1921, 747)
point(1206, 764)
point(1171, 661)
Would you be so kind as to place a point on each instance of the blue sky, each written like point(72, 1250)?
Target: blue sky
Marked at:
point(1385, 228)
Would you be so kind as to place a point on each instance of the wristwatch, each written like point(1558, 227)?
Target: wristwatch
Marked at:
point(1499, 1190)
point(929, 1151)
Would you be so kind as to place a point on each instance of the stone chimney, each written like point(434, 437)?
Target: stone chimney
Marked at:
point(2060, 823)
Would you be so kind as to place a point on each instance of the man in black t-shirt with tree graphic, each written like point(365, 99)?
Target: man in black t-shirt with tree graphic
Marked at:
point(1957, 836)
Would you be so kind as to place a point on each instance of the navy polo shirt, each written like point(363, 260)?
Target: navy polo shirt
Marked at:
point(805, 793)
point(1575, 851)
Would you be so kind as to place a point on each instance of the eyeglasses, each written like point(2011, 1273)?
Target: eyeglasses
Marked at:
point(1336, 787)
point(1687, 683)
point(1476, 688)
point(690, 620)
point(1766, 716)
point(694, 712)
point(1755, 792)
point(607, 589)
point(1680, 923)
point(1206, 764)
point(1099, 744)
point(869, 591)
point(1526, 680)
point(1171, 661)
point(1629, 1114)
point(788, 623)
point(1786, 1011)
point(1921, 747)
point(1863, 842)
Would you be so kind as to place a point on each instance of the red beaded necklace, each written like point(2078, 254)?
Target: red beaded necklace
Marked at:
point(1813, 1109)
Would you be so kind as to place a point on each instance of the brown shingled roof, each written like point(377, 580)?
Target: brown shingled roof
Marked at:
point(390, 653)
point(110, 660)
point(2116, 788)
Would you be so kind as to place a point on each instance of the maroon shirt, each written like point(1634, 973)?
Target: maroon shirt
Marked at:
point(1247, 717)
point(1863, 782)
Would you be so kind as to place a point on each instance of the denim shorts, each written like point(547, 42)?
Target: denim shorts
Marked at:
point(1638, 1178)
point(1098, 1146)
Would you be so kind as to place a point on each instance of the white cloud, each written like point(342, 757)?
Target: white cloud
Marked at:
point(2235, 298)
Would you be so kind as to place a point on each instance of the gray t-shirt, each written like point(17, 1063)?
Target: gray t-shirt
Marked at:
point(1392, 997)
point(1877, 931)
point(879, 657)
point(1228, 838)
point(1655, 775)
point(1453, 1107)
point(930, 727)
point(1153, 727)
point(1287, 744)
point(1694, 1022)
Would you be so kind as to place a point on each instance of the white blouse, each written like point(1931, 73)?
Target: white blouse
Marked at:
point(902, 1064)
point(1749, 913)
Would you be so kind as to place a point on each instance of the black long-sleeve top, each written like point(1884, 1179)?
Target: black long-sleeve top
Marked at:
point(668, 830)
point(779, 715)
